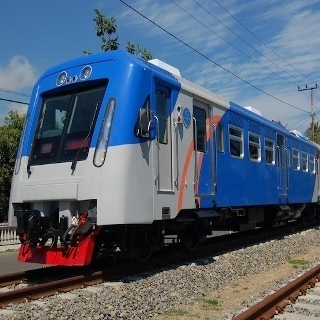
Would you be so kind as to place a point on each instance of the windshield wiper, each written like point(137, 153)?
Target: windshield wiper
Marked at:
point(75, 160)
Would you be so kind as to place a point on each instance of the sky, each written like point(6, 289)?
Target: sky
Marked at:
point(254, 53)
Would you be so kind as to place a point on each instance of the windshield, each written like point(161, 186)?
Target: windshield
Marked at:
point(66, 125)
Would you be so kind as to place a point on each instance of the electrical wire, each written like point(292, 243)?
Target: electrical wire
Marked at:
point(266, 45)
point(246, 42)
point(212, 61)
point(15, 92)
point(230, 44)
point(302, 124)
point(295, 123)
point(15, 101)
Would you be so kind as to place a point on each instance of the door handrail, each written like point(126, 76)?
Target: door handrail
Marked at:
point(195, 179)
point(158, 150)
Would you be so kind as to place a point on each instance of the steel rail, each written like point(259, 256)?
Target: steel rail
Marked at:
point(47, 289)
point(12, 278)
point(276, 302)
point(87, 277)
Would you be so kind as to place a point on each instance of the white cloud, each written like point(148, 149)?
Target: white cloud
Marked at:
point(18, 74)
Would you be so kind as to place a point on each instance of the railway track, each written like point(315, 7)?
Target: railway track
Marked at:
point(293, 295)
point(75, 278)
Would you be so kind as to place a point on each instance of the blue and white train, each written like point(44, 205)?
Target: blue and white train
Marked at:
point(118, 153)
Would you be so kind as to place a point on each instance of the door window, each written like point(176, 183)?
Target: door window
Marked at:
point(162, 114)
point(200, 129)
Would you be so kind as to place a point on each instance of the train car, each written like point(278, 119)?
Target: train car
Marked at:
point(118, 153)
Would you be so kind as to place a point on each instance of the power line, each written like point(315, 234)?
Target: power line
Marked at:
point(312, 106)
point(302, 124)
point(15, 101)
point(246, 42)
point(15, 92)
point(295, 123)
point(212, 61)
point(230, 44)
point(261, 40)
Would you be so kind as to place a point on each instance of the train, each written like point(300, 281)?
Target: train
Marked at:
point(119, 154)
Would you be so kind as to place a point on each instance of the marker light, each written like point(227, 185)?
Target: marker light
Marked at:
point(61, 78)
point(85, 72)
point(103, 140)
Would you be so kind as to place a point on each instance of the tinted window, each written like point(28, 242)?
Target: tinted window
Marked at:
point(66, 125)
point(269, 151)
point(254, 147)
point(295, 159)
point(236, 142)
point(162, 115)
point(312, 163)
point(200, 134)
point(304, 161)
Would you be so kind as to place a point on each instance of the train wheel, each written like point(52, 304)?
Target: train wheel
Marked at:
point(190, 239)
point(142, 250)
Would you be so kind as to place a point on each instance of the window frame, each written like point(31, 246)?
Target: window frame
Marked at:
point(200, 148)
point(304, 158)
point(270, 149)
point(237, 139)
point(255, 145)
point(162, 118)
point(296, 157)
point(220, 138)
point(313, 167)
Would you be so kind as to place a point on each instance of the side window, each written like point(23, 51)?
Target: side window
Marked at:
point(269, 151)
point(200, 130)
point(162, 114)
point(220, 137)
point(254, 147)
point(288, 154)
point(236, 142)
point(296, 159)
point(312, 167)
point(304, 161)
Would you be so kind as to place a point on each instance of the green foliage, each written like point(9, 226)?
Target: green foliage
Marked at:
point(316, 133)
point(9, 141)
point(106, 29)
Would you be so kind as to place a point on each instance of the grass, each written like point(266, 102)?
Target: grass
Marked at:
point(209, 304)
point(176, 312)
point(298, 262)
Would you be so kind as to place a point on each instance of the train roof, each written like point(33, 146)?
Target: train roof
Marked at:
point(271, 124)
point(172, 74)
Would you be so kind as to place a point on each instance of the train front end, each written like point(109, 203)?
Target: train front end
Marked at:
point(53, 201)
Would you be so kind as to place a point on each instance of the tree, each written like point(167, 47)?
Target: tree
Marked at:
point(106, 29)
point(316, 133)
point(9, 140)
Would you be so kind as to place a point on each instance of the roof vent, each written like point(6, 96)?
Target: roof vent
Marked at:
point(254, 110)
point(296, 133)
point(165, 66)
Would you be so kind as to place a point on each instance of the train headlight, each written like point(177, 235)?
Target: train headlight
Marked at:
point(19, 154)
point(61, 78)
point(103, 140)
point(85, 73)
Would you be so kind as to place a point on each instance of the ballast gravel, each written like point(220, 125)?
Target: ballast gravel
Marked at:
point(149, 295)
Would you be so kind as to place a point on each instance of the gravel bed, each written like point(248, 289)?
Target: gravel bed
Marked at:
point(150, 294)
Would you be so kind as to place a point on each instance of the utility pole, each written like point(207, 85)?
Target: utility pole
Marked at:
point(312, 107)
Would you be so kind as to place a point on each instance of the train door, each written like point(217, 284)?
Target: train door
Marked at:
point(282, 166)
point(163, 147)
point(204, 150)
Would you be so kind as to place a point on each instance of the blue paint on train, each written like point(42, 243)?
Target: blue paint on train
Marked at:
point(129, 79)
point(242, 181)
